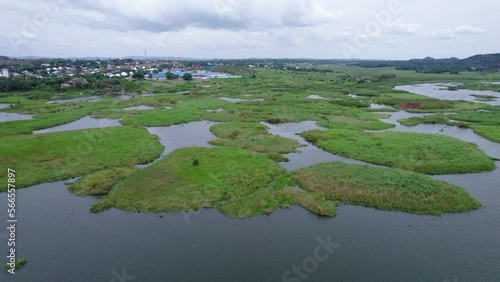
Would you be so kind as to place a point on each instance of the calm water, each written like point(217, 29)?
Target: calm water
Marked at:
point(193, 134)
point(64, 242)
point(236, 100)
point(316, 97)
point(138, 108)
point(464, 134)
point(13, 116)
point(74, 100)
point(441, 92)
point(308, 154)
point(83, 123)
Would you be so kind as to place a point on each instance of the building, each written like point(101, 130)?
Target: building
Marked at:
point(4, 73)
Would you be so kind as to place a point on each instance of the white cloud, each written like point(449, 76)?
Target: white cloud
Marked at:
point(243, 28)
point(398, 27)
point(468, 29)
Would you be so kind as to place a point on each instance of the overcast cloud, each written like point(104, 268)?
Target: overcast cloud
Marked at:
point(381, 29)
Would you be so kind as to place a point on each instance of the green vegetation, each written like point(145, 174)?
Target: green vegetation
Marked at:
point(58, 156)
point(100, 182)
point(239, 183)
point(433, 119)
point(19, 264)
point(487, 131)
point(484, 118)
point(384, 188)
point(251, 136)
point(424, 153)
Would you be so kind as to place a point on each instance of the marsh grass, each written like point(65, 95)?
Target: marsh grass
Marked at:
point(20, 263)
point(252, 136)
point(49, 157)
point(424, 153)
point(100, 182)
point(384, 188)
point(238, 182)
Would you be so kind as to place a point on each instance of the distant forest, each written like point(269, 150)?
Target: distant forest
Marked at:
point(479, 63)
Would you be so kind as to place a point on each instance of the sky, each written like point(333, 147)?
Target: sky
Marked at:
point(323, 29)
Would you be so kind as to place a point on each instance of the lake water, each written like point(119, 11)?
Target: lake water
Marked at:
point(308, 154)
point(138, 108)
point(83, 123)
point(440, 91)
point(63, 241)
point(490, 148)
point(193, 134)
point(13, 116)
point(74, 100)
point(380, 106)
point(316, 97)
point(236, 100)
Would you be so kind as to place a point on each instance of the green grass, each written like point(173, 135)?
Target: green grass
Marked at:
point(20, 263)
point(49, 157)
point(238, 182)
point(484, 118)
point(384, 188)
point(434, 119)
point(489, 132)
point(252, 136)
point(100, 182)
point(41, 122)
point(424, 153)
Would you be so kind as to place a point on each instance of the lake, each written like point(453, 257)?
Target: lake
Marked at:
point(440, 91)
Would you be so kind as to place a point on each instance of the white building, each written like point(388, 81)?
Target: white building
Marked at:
point(4, 73)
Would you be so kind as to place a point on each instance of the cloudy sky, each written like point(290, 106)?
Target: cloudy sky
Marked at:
point(370, 29)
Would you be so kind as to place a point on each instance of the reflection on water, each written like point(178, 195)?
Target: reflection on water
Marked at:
point(139, 108)
point(316, 97)
point(63, 241)
point(13, 116)
point(309, 154)
point(492, 149)
point(74, 100)
point(440, 91)
point(83, 123)
point(193, 134)
point(236, 100)
point(380, 106)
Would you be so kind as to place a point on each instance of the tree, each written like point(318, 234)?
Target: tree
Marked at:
point(187, 76)
point(138, 75)
point(169, 76)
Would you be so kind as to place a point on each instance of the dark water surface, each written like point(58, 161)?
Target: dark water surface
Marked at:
point(83, 123)
point(64, 242)
point(440, 91)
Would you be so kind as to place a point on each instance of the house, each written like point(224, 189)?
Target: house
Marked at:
point(4, 73)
